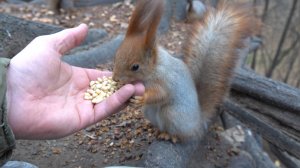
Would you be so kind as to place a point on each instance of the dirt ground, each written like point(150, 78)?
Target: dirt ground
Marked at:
point(118, 140)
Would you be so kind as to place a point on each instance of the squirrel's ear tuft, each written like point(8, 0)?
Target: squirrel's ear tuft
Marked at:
point(145, 20)
point(157, 12)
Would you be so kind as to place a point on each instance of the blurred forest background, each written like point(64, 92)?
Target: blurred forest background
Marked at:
point(279, 55)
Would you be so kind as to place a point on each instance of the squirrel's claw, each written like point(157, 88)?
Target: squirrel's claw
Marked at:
point(174, 139)
point(165, 136)
point(136, 101)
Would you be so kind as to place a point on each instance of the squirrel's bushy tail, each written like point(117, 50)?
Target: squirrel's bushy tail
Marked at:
point(211, 51)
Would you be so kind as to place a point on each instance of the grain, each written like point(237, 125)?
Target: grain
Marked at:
point(101, 89)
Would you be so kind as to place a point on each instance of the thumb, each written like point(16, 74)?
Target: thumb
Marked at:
point(69, 38)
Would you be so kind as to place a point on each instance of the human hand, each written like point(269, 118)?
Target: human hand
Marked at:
point(45, 95)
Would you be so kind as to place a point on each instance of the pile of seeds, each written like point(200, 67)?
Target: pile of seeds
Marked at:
point(101, 89)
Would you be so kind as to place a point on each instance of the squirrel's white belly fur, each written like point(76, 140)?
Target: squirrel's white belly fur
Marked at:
point(182, 108)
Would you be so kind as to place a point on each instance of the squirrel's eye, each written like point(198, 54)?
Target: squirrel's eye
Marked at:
point(135, 67)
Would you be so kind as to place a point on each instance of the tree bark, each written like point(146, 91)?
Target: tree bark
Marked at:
point(94, 56)
point(16, 33)
point(266, 90)
point(288, 160)
point(270, 129)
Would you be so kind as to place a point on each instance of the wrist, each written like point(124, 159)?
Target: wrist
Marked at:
point(8, 101)
point(6, 134)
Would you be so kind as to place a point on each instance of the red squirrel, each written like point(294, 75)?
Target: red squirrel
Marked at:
point(181, 96)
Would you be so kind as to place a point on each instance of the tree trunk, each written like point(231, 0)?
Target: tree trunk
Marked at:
point(16, 33)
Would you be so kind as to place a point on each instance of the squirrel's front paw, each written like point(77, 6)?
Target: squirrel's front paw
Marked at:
point(136, 101)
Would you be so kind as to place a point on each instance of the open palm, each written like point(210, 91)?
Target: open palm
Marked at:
point(45, 95)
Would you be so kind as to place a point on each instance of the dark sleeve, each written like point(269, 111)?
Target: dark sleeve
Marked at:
point(7, 139)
